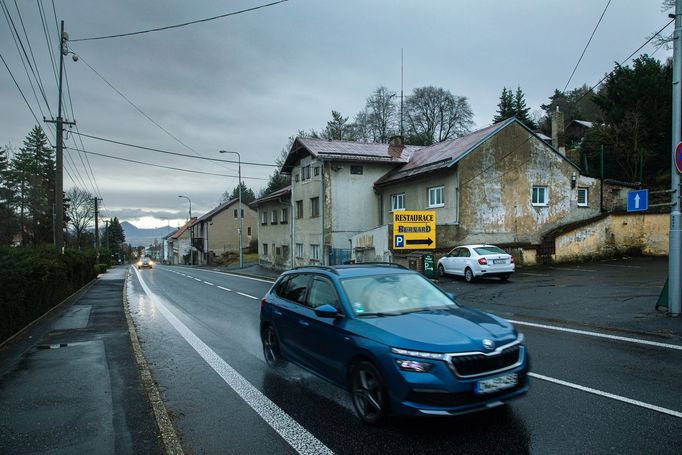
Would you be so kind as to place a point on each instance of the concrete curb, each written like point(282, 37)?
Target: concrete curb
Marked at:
point(171, 443)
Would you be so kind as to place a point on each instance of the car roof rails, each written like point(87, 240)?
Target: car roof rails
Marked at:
point(323, 267)
point(378, 264)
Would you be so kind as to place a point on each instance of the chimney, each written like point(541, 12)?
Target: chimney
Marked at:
point(558, 140)
point(396, 146)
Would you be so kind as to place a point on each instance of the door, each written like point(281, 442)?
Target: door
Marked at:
point(286, 316)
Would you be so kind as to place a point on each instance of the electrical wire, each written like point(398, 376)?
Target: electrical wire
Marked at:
point(167, 167)
point(249, 163)
point(168, 27)
point(586, 45)
point(43, 20)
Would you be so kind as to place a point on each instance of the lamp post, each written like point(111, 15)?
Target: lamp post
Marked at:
point(241, 216)
point(190, 205)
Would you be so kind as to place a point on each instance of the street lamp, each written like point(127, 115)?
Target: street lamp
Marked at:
point(241, 216)
point(190, 206)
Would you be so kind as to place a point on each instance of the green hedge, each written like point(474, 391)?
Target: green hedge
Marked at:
point(33, 280)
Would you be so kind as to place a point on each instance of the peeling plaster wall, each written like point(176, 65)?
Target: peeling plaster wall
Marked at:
point(372, 245)
point(496, 182)
point(616, 234)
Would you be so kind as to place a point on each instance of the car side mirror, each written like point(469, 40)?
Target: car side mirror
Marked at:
point(452, 296)
point(326, 311)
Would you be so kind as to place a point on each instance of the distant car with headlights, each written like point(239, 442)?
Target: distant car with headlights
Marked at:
point(393, 339)
point(145, 262)
point(473, 261)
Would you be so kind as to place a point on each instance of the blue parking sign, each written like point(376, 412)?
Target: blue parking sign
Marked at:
point(638, 201)
point(399, 241)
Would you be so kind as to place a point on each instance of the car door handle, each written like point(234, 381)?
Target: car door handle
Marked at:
point(277, 312)
point(304, 323)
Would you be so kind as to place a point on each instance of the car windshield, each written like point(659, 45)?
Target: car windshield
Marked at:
point(387, 295)
point(483, 250)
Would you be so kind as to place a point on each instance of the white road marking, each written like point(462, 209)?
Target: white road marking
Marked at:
point(206, 282)
point(291, 431)
point(198, 279)
point(236, 275)
point(598, 335)
point(224, 289)
point(247, 295)
point(608, 395)
point(189, 276)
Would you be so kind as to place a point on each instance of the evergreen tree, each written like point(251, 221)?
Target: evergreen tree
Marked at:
point(116, 236)
point(8, 219)
point(248, 196)
point(505, 108)
point(32, 175)
point(521, 111)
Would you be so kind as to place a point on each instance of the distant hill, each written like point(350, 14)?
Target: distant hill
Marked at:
point(136, 236)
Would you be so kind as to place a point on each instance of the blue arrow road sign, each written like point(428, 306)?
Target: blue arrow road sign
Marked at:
point(638, 201)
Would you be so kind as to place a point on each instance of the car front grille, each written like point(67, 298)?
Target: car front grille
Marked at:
point(475, 364)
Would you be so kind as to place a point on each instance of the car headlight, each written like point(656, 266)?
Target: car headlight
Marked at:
point(414, 366)
point(421, 354)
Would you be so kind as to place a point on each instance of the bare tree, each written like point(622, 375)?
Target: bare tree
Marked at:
point(81, 211)
point(382, 115)
point(435, 115)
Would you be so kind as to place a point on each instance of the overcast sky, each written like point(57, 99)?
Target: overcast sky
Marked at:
point(248, 82)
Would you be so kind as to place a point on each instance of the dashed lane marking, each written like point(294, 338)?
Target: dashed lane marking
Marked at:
point(247, 295)
point(598, 335)
point(224, 289)
point(300, 439)
point(198, 279)
point(601, 393)
point(206, 282)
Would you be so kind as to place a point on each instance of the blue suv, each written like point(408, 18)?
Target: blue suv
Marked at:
point(393, 339)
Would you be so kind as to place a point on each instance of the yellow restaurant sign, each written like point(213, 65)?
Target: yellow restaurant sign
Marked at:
point(414, 230)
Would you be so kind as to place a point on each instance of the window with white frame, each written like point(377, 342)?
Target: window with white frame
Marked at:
point(285, 216)
point(299, 250)
point(273, 217)
point(265, 249)
point(540, 195)
point(263, 217)
point(398, 202)
point(315, 252)
point(583, 200)
point(436, 196)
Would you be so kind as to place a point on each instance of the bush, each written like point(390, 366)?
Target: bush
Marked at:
point(101, 268)
point(34, 280)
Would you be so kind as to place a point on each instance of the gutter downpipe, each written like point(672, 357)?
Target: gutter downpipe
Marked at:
point(325, 259)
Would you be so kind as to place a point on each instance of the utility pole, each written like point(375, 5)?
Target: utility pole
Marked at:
point(59, 153)
point(675, 236)
point(97, 226)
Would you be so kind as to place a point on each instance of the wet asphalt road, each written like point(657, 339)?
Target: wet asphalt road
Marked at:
point(222, 312)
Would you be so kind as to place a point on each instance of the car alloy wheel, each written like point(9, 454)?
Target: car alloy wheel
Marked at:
point(271, 351)
point(468, 275)
point(368, 393)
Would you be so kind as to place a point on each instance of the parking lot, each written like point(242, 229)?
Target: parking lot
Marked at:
point(618, 295)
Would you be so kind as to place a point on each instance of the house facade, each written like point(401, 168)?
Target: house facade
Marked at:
point(180, 244)
point(332, 194)
point(217, 232)
point(501, 184)
point(274, 229)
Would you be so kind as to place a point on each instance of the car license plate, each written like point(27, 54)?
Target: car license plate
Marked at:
point(499, 261)
point(496, 384)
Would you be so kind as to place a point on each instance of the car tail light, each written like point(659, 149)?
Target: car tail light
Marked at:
point(483, 261)
point(262, 303)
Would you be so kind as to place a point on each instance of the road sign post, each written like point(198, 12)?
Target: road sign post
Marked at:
point(414, 230)
point(638, 201)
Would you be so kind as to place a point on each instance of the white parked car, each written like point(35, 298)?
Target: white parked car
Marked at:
point(472, 261)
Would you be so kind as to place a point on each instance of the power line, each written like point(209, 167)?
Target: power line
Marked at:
point(168, 27)
point(165, 167)
point(141, 111)
point(172, 153)
point(586, 45)
point(43, 21)
point(22, 93)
